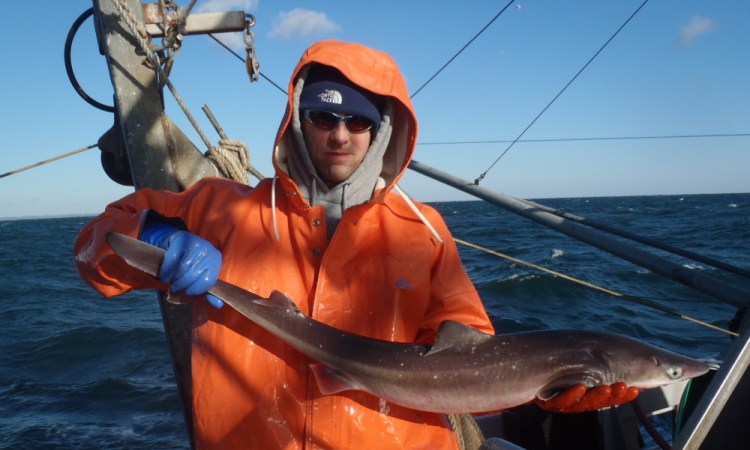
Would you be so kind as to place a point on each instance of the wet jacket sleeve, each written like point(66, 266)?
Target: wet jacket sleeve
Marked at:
point(453, 295)
point(97, 263)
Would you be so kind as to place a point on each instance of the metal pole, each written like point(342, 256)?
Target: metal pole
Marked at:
point(713, 401)
point(701, 282)
point(645, 240)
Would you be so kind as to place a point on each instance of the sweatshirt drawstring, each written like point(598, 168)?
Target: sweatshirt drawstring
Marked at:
point(395, 187)
point(418, 213)
point(273, 208)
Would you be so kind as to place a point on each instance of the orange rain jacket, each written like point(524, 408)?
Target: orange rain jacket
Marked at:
point(383, 274)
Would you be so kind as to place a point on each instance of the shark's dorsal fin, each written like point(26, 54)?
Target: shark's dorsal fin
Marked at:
point(455, 334)
point(278, 299)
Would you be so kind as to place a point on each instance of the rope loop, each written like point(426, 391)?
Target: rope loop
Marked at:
point(232, 159)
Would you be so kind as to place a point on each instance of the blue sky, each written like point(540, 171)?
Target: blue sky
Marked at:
point(680, 67)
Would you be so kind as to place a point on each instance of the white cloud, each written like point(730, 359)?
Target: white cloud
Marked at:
point(300, 23)
point(690, 32)
point(226, 5)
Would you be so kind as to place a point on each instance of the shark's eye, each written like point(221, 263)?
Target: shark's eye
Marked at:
point(674, 372)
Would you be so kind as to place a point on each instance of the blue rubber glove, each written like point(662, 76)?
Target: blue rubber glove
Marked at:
point(191, 264)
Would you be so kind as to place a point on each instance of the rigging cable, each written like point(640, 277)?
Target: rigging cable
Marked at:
point(31, 166)
point(605, 138)
point(483, 174)
point(610, 138)
point(243, 60)
point(463, 48)
point(420, 88)
point(631, 298)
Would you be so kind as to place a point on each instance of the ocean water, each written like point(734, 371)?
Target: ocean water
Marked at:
point(81, 372)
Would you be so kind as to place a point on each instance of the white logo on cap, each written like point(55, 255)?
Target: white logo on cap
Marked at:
point(331, 96)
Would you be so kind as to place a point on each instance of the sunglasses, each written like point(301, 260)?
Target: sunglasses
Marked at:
point(328, 121)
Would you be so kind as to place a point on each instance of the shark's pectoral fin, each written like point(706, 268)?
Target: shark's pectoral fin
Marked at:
point(330, 381)
point(455, 334)
point(560, 384)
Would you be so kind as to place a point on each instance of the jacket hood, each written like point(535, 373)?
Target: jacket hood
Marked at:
point(372, 70)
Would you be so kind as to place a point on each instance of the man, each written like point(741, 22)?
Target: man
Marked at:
point(326, 230)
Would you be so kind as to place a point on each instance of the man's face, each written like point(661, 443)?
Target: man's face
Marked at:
point(336, 153)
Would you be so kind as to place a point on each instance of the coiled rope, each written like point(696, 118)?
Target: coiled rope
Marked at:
point(231, 158)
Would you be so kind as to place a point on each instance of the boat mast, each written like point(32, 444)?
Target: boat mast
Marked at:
point(159, 154)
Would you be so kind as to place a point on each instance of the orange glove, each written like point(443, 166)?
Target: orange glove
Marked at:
point(579, 398)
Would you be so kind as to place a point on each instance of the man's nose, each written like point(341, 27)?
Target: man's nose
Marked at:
point(339, 133)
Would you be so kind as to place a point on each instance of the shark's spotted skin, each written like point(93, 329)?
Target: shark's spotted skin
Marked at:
point(463, 371)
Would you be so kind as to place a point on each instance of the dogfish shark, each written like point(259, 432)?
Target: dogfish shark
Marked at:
point(463, 371)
